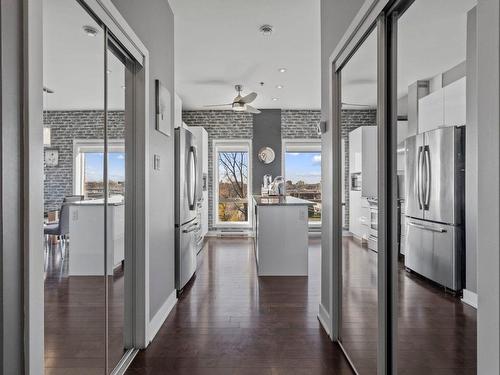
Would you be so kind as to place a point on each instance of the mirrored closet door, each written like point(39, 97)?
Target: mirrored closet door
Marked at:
point(359, 313)
point(88, 124)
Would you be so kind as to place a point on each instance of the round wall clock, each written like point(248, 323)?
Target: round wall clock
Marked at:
point(266, 155)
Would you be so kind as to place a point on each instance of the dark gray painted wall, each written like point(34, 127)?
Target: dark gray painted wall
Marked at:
point(153, 22)
point(266, 133)
point(11, 266)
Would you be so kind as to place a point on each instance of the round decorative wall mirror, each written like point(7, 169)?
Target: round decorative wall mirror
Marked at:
point(266, 155)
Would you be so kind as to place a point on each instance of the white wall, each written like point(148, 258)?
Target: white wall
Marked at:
point(488, 221)
point(335, 18)
point(153, 22)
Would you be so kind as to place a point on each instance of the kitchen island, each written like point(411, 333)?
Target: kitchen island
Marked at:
point(281, 227)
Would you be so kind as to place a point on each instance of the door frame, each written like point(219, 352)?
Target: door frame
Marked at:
point(32, 213)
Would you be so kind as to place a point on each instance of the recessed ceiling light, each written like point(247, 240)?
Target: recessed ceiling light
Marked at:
point(279, 86)
point(108, 71)
point(282, 70)
point(266, 30)
point(90, 30)
point(276, 99)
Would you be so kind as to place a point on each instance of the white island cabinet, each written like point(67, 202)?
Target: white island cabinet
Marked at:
point(281, 236)
point(86, 233)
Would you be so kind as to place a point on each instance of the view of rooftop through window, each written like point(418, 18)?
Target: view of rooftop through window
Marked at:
point(303, 179)
point(93, 174)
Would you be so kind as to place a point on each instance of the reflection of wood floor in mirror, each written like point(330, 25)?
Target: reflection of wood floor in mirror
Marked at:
point(74, 319)
point(229, 321)
point(437, 332)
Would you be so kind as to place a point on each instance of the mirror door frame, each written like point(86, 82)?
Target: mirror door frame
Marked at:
point(137, 289)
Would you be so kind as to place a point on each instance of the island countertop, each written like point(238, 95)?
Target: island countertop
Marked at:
point(280, 201)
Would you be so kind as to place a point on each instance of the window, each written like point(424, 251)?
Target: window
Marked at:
point(302, 171)
point(89, 168)
point(232, 183)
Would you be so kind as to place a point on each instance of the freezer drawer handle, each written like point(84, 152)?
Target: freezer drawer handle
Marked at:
point(420, 226)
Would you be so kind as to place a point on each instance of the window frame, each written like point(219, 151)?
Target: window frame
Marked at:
point(81, 146)
point(301, 145)
point(231, 145)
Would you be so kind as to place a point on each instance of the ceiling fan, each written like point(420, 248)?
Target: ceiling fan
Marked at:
point(241, 103)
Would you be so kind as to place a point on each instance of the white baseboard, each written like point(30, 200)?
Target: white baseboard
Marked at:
point(324, 319)
point(162, 314)
point(470, 298)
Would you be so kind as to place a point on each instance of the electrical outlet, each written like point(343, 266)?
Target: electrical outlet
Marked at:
point(75, 215)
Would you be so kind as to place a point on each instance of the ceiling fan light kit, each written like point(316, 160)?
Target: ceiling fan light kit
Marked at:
point(241, 103)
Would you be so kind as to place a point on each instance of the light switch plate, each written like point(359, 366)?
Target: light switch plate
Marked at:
point(156, 162)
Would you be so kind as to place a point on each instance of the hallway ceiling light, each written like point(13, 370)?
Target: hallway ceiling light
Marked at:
point(90, 30)
point(279, 86)
point(282, 70)
point(266, 30)
point(276, 99)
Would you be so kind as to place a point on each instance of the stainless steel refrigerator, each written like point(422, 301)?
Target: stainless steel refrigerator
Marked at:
point(435, 205)
point(186, 220)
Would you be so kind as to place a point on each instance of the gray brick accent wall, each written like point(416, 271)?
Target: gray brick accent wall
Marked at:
point(300, 124)
point(353, 119)
point(65, 127)
point(233, 125)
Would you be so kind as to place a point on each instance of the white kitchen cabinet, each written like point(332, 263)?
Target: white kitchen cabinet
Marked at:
point(359, 215)
point(201, 136)
point(431, 111)
point(177, 111)
point(443, 107)
point(363, 152)
point(455, 103)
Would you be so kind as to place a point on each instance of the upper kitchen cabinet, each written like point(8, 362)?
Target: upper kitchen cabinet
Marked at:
point(443, 107)
point(431, 111)
point(363, 158)
point(177, 111)
point(455, 103)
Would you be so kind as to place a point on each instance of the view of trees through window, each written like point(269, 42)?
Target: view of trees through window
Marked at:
point(303, 179)
point(233, 186)
point(93, 179)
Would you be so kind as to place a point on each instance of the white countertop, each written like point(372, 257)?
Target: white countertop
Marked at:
point(280, 201)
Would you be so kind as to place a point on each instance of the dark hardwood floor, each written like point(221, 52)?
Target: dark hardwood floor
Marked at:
point(74, 319)
point(436, 331)
point(229, 321)
point(232, 322)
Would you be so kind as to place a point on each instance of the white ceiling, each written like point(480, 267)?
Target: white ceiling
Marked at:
point(218, 45)
point(431, 40)
point(74, 62)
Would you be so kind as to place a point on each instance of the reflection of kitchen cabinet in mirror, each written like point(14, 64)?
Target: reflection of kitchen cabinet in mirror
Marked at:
point(266, 155)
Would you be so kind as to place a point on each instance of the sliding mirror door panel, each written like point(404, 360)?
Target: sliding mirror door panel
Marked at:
point(75, 295)
point(431, 67)
point(359, 317)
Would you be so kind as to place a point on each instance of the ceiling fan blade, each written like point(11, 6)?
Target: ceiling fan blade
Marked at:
point(248, 98)
point(251, 109)
point(219, 105)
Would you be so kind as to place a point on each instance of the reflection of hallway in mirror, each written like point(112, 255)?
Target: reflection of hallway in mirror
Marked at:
point(437, 332)
point(74, 318)
point(359, 305)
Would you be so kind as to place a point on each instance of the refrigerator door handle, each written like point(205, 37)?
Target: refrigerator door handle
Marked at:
point(419, 177)
point(427, 164)
point(420, 226)
point(193, 173)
